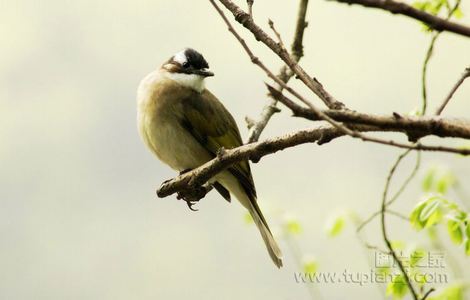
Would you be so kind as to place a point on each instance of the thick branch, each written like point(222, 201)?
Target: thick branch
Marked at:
point(255, 151)
point(401, 8)
point(413, 126)
point(245, 152)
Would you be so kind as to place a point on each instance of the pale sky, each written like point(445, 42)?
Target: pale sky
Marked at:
point(79, 218)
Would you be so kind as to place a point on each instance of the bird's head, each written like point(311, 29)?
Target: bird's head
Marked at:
point(188, 61)
point(188, 67)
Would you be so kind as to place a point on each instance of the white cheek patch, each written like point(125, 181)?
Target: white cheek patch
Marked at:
point(196, 82)
point(180, 57)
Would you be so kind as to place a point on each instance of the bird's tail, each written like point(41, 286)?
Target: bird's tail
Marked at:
point(273, 249)
point(232, 184)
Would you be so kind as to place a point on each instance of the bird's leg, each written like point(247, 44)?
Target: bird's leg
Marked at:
point(192, 194)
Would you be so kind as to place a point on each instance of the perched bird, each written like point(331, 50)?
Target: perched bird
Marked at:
point(185, 125)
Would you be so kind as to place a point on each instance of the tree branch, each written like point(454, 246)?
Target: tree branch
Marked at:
point(255, 151)
point(429, 53)
point(401, 8)
point(413, 126)
point(312, 83)
point(464, 76)
point(270, 108)
point(250, 7)
point(395, 196)
point(427, 57)
point(384, 229)
point(312, 108)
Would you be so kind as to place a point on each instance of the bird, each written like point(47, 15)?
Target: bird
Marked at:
point(185, 126)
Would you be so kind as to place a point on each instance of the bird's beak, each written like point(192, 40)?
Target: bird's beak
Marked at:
point(203, 72)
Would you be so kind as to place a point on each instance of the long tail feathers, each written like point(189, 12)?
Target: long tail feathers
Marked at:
point(273, 249)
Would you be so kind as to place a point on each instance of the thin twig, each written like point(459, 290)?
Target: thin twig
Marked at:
point(428, 56)
point(408, 179)
point(384, 229)
point(278, 35)
point(464, 76)
point(244, 18)
point(375, 214)
point(397, 194)
point(284, 74)
point(424, 93)
point(426, 295)
point(395, 7)
point(250, 7)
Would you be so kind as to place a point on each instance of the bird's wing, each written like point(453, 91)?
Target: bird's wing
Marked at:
point(210, 123)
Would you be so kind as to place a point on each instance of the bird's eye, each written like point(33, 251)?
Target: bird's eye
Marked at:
point(185, 65)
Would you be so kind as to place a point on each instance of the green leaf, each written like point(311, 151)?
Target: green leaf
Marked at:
point(428, 180)
point(468, 230)
point(433, 219)
point(247, 218)
point(310, 266)
point(458, 14)
point(421, 5)
point(384, 271)
point(464, 147)
point(415, 112)
point(431, 213)
point(452, 292)
point(432, 233)
point(467, 247)
point(455, 231)
point(414, 216)
point(445, 182)
point(416, 256)
point(335, 226)
point(397, 287)
point(293, 227)
point(431, 206)
point(419, 278)
point(397, 245)
point(460, 215)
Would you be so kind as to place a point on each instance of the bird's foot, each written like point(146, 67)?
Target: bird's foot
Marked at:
point(192, 196)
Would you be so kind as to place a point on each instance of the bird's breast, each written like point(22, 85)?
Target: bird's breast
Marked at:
point(159, 115)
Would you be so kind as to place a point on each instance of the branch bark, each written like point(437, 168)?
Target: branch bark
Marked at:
point(413, 126)
point(406, 277)
point(284, 74)
point(464, 76)
point(312, 83)
point(427, 58)
point(401, 8)
point(255, 151)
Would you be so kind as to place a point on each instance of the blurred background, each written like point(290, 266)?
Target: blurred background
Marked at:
point(79, 218)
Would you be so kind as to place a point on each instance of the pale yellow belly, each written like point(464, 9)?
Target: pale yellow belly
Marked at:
point(172, 144)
